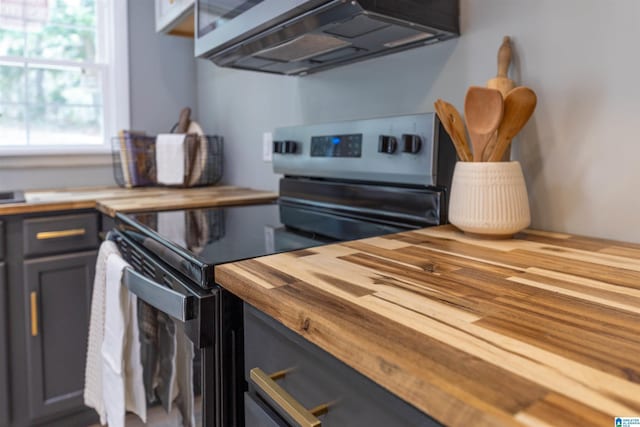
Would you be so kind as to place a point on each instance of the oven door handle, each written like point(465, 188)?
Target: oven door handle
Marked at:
point(159, 296)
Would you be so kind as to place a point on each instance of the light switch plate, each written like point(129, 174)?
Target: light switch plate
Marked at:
point(267, 147)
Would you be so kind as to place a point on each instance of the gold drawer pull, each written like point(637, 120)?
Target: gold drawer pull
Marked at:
point(34, 314)
point(303, 416)
point(44, 235)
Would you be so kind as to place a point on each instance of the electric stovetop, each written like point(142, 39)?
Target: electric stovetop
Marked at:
point(193, 241)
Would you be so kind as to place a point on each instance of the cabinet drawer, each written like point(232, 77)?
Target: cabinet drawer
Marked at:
point(59, 234)
point(1, 240)
point(314, 378)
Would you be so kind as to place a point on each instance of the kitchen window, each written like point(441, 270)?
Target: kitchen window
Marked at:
point(63, 75)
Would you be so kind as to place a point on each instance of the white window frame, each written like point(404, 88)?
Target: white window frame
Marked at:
point(115, 101)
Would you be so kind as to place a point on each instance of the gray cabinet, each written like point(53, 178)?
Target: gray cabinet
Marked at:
point(46, 278)
point(57, 293)
point(285, 372)
point(1, 241)
point(4, 351)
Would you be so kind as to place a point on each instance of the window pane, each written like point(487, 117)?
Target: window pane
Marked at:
point(11, 83)
point(73, 86)
point(54, 42)
point(12, 125)
point(76, 13)
point(60, 125)
point(11, 42)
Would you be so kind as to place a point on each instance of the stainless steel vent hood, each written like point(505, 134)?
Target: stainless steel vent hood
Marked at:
point(298, 37)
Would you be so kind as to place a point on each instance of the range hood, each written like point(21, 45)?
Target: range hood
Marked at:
point(298, 37)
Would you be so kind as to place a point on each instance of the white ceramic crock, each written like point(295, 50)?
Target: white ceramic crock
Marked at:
point(489, 199)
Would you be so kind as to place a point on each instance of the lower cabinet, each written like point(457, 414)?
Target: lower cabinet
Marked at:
point(4, 351)
point(57, 294)
point(293, 382)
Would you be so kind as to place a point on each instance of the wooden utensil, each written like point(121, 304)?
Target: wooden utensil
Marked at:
point(183, 121)
point(453, 124)
point(518, 108)
point(502, 82)
point(483, 109)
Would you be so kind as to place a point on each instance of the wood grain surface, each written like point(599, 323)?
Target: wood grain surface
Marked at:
point(541, 330)
point(111, 199)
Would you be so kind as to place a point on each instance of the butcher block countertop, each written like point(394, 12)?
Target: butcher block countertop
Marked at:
point(541, 330)
point(110, 200)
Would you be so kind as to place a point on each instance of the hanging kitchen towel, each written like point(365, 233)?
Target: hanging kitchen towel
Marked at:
point(148, 324)
point(122, 385)
point(134, 392)
point(184, 373)
point(167, 388)
point(170, 158)
point(93, 369)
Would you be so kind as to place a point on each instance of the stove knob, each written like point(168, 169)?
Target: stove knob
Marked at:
point(285, 147)
point(412, 143)
point(387, 144)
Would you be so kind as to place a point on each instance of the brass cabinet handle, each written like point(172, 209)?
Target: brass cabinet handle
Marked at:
point(267, 385)
point(34, 314)
point(44, 235)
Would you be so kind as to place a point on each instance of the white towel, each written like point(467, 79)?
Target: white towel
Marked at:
point(170, 158)
point(93, 370)
point(122, 385)
point(184, 375)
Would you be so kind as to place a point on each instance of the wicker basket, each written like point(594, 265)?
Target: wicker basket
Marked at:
point(134, 160)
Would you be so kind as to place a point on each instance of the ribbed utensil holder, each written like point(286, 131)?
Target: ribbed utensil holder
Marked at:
point(489, 199)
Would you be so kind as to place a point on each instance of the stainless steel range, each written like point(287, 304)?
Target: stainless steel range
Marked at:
point(341, 181)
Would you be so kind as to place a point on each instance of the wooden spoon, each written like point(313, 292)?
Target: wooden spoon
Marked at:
point(518, 108)
point(483, 111)
point(453, 124)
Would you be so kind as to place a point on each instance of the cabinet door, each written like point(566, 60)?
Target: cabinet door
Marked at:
point(57, 296)
point(4, 351)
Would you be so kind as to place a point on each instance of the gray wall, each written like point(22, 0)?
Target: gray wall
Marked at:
point(578, 152)
point(162, 75)
point(162, 81)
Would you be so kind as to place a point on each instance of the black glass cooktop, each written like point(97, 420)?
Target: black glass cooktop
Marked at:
point(193, 241)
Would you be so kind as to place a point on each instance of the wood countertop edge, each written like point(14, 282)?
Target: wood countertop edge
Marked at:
point(202, 197)
point(28, 208)
point(108, 207)
point(435, 401)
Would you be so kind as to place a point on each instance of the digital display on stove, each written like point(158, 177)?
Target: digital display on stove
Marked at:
point(337, 146)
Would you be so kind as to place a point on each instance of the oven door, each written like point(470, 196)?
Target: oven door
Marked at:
point(191, 339)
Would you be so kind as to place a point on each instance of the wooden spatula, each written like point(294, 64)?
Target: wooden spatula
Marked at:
point(518, 108)
point(483, 109)
point(453, 124)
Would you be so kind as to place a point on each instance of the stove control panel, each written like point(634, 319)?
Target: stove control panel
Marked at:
point(399, 150)
point(336, 145)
